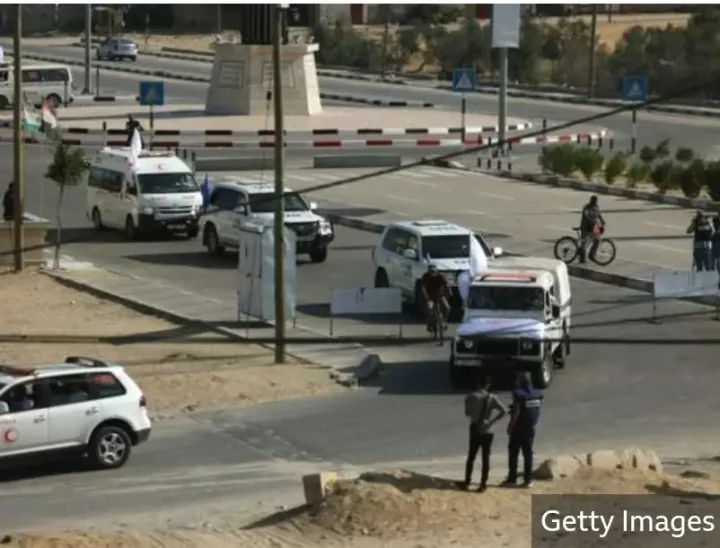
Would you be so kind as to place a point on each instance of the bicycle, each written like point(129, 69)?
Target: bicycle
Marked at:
point(436, 324)
point(567, 249)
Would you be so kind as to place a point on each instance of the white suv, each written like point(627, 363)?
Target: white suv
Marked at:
point(401, 257)
point(83, 406)
point(233, 201)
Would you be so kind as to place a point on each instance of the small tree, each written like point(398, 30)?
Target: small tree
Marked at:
point(662, 176)
point(648, 154)
point(712, 180)
point(67, 169)
point(692, 178)
point(662, 149)
point(637, 173)
point(615, 167)
point(589, 161)
point(684, 155)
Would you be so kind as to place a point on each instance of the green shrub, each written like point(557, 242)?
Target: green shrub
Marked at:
point(562, 159)
point(712, 180)
point(648, 154)
point(662, 176)
point(662, 149)
point(615, 167)
point(589, 161)
point(684, 155)
point(692, 179)
point(637, 173)
point(545, 159)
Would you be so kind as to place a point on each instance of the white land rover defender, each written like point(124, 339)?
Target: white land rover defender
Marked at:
point(517, 318)
point(232, 202)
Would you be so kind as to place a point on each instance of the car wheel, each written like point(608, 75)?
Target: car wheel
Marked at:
point(97, 219)
point(133, 59)
point(109, 447)
point(542, 375)
point(381, 278)
point(212, 242)
point(4, 103)
point(319, 254)
point(130, 228)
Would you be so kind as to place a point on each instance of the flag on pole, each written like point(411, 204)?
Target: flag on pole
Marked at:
point(31, 121)
point(135, 147)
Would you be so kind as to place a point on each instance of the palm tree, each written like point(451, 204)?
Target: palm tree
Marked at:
point(67, 169)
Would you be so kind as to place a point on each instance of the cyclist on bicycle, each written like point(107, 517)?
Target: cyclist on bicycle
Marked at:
point(591, 226)
point(435, 290)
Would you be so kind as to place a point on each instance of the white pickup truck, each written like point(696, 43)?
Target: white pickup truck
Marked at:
point(517, 317)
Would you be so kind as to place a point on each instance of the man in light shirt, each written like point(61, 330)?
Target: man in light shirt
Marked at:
point(479, 407)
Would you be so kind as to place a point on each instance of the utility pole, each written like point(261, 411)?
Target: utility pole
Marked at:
point(18, 171)
point(591, 61)
point(386, 39)
point(88, 45)
point(219, 18)
point(279, 225)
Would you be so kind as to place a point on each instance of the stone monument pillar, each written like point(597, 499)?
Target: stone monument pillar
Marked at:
point(242, 74)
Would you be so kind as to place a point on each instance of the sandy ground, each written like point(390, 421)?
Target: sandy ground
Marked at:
point(393, 510)
point(43, 322)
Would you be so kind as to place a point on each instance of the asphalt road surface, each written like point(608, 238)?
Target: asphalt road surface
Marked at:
point(653, 387)
point(698, 133)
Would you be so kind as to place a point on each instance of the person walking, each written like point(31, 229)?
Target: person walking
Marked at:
point(524, 417)
point(479, 407)
point(716, 244)
point(9, 203)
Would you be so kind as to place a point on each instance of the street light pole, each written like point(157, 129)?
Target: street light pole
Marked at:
point(18, 171)
point(591, 63)
point(88, 38)
point(279, 224)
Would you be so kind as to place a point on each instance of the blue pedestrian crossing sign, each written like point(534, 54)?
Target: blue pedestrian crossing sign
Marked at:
point(464, 79)
point(635, 88)
point(152, 94)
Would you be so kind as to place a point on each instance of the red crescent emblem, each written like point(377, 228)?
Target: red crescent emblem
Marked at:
point(11, 435)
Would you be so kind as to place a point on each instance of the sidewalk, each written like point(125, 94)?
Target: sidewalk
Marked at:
point(348, 363)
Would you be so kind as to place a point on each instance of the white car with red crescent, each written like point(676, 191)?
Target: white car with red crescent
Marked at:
point(83, 407)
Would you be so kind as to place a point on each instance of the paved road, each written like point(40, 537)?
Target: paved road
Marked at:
point(698, 133)
point(522, 109)
point(623, 394)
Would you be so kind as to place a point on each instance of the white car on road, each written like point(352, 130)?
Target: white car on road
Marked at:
point(234, 201)
point(117, 48)
point(401, 257)
point(82, 406)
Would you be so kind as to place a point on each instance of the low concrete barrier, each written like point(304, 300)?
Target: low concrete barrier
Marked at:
point(357, 160)
point(35, 231)
point(234, 164)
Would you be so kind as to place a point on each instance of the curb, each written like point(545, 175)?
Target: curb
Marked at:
point(347, 143)
point(369, 367)
point(102, 99)
point(271, 133)
point(576, 271)
point(374, 102)
point(600, 188)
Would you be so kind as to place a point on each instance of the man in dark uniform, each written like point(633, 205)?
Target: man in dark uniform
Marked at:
point(479, 407)
point(591, 222)
point(9, 203)
point(435, 290)
point(524, 417)
point(702, 232)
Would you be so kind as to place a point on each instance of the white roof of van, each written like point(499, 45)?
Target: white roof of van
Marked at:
point(433, 227)
point(248, 185)
point(148, 161)
point(544, 263)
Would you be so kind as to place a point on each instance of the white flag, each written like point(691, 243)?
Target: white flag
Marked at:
point(48, 116)
point(478, 260)
point(135, 146)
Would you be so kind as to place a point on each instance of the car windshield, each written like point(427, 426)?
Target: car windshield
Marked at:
point(506, 298)
point(167, 183)
point(451, 247)
point(265, 203)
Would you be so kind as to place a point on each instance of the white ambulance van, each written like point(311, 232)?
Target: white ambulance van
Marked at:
point(157, 194)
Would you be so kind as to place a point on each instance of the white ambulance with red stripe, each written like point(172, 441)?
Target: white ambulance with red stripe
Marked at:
point(517, 317)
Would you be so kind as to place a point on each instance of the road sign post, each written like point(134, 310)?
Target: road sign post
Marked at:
point(635, 89)
point(152, 94)
point(464, 80)
point(505, 35)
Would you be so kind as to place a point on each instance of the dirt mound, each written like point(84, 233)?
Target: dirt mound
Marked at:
point(402, 504)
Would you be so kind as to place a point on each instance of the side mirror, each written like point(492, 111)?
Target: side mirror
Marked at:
point(4, 408)
point(555, 311)
point(242, 210)
point(313, 206)
point(497, 251)
point(410, 254)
